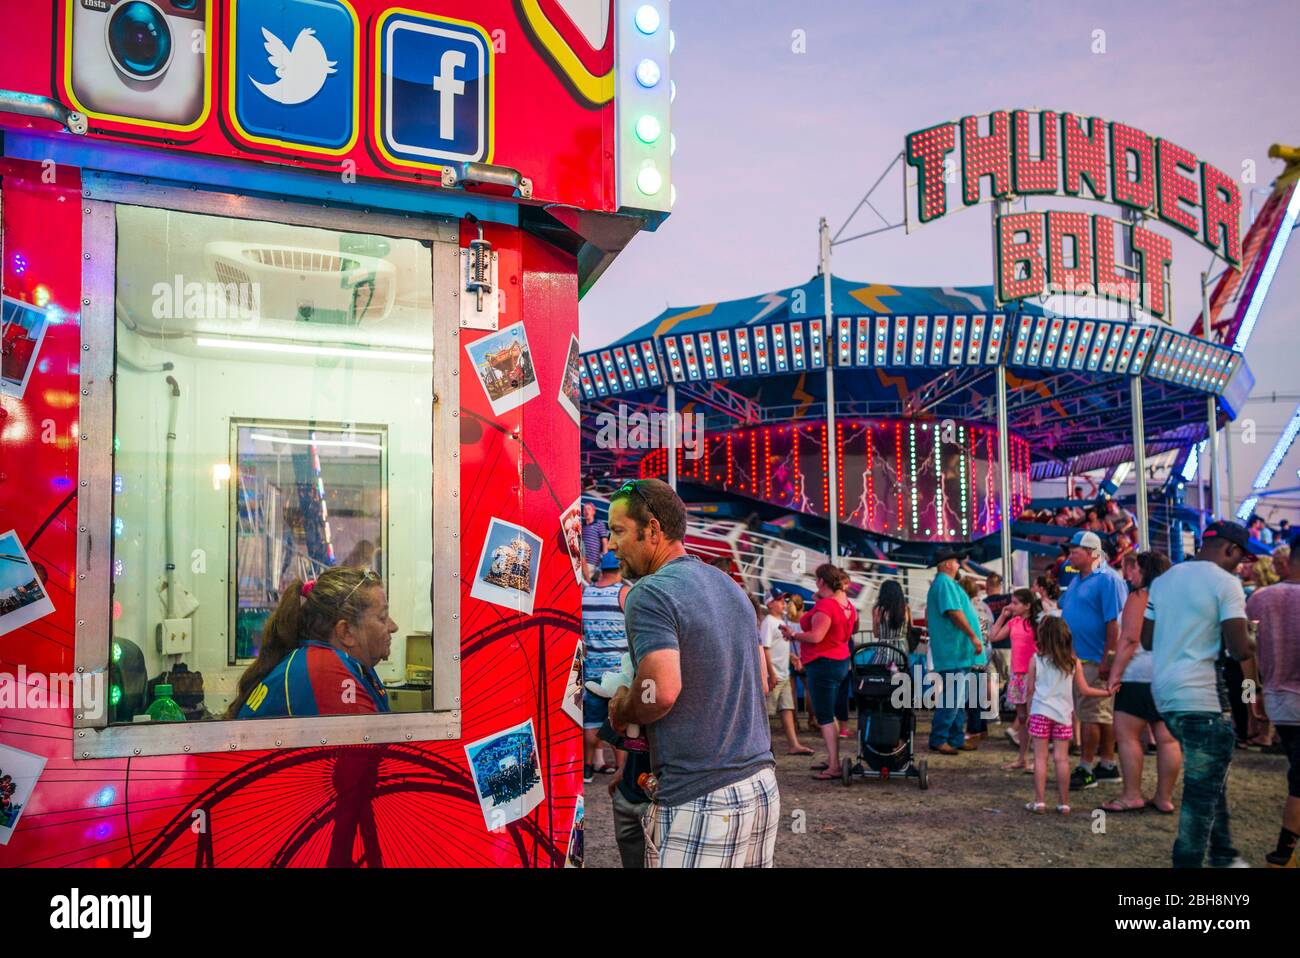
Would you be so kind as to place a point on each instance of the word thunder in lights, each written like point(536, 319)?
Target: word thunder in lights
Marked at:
point(1024, 152)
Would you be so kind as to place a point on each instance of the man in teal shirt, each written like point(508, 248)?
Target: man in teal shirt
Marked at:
point(954, 645)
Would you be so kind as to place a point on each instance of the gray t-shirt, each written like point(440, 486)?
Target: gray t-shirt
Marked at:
point(717, 732)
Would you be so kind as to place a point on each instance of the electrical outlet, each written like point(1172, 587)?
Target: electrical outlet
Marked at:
point(175, 636)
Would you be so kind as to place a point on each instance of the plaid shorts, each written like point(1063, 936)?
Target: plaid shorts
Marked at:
point(732, 827)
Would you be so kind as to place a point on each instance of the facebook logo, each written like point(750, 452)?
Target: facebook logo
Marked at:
point(435, 90)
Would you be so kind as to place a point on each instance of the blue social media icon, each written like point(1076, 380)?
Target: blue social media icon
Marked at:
point(295, 71)
point(435, 95)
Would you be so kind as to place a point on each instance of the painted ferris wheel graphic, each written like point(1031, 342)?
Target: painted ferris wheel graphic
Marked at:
point(390, 805)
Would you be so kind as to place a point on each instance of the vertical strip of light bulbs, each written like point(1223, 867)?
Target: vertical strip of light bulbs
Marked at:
point(643, 96)
point(938, 483)
point(794, 456)
point(767, 462)
point(898, 472)
point(911, 443)
point(988, 485)
point(839, 459)
point(871, 478)
point(961, 444)
point(826, 471)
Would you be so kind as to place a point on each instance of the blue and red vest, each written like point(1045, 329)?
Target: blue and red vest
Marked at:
point(316, 679)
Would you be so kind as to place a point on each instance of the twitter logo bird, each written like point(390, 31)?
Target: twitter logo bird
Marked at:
point(301, 71)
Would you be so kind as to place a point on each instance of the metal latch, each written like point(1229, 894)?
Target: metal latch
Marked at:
point(480, 305)
point(28, 104)
point(460, 175)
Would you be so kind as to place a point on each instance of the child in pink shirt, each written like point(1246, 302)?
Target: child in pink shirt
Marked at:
point(1019, 618)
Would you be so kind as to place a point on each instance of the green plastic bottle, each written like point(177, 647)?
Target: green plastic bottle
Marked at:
point(164, 707)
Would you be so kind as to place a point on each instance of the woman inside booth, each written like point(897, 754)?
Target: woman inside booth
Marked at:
point(319, 650)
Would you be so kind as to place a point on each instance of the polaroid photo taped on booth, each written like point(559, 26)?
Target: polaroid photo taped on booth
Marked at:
point(23, 330)
point(570, 397)
point(506, 772)
point(19, 773)
point(23, 598)
point(506, 574)
point(504, 365)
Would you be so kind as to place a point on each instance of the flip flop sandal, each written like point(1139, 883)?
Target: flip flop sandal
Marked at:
point(827, 776)
point(1163, 811)
point(1063, 809)
point(1038, 808)
point(819, 767)
point(805, 751)
point(1117, 808)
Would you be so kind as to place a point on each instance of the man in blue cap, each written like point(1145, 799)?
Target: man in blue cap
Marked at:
point(1091, 607)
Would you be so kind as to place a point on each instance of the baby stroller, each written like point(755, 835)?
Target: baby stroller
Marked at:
point(885, 731)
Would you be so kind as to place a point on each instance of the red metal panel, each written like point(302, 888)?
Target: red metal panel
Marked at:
point(410, 804)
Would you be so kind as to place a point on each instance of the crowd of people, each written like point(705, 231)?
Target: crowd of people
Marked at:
point(1130, 656)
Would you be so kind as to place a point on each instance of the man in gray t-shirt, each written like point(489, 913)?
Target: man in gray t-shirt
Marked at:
point(698, 691)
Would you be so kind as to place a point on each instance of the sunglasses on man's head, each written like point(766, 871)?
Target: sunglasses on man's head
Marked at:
point(634, 485)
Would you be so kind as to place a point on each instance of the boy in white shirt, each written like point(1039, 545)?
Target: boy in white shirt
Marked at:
point(776, 659)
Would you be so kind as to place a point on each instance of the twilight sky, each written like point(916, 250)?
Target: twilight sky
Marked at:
point(769, 140)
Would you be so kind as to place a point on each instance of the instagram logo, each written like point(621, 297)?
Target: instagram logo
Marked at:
point(140, 59)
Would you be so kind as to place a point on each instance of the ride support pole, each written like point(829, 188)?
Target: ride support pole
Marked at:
point(1140, 463)
point(832, 452)
point(672, 437)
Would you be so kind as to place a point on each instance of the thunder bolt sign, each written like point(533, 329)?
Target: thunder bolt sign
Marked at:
point(434, 90)
point(1022, 152)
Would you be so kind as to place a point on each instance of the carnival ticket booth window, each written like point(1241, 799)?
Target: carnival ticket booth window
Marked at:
point(264, 448)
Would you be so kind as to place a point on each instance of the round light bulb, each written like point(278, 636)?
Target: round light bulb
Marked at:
point(647, 73)
point(672, 144)
point(648, 129)
point(650, 181)
point(672, 41)
point(647, 19)
point(672, 91)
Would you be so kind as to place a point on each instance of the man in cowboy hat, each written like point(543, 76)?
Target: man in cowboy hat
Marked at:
point(954, 643)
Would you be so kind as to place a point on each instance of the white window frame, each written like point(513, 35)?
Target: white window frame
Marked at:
point(95, 738)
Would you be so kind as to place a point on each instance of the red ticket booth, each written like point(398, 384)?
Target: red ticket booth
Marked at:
point(290, 285)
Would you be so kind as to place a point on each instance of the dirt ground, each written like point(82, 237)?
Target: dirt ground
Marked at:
point(973, 814)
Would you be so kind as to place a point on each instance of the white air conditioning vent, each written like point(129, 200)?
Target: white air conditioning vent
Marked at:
point(301, 285)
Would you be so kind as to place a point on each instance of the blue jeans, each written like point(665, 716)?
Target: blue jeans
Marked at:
point(950, 717)
point(824, 679)
point(1208, 741)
